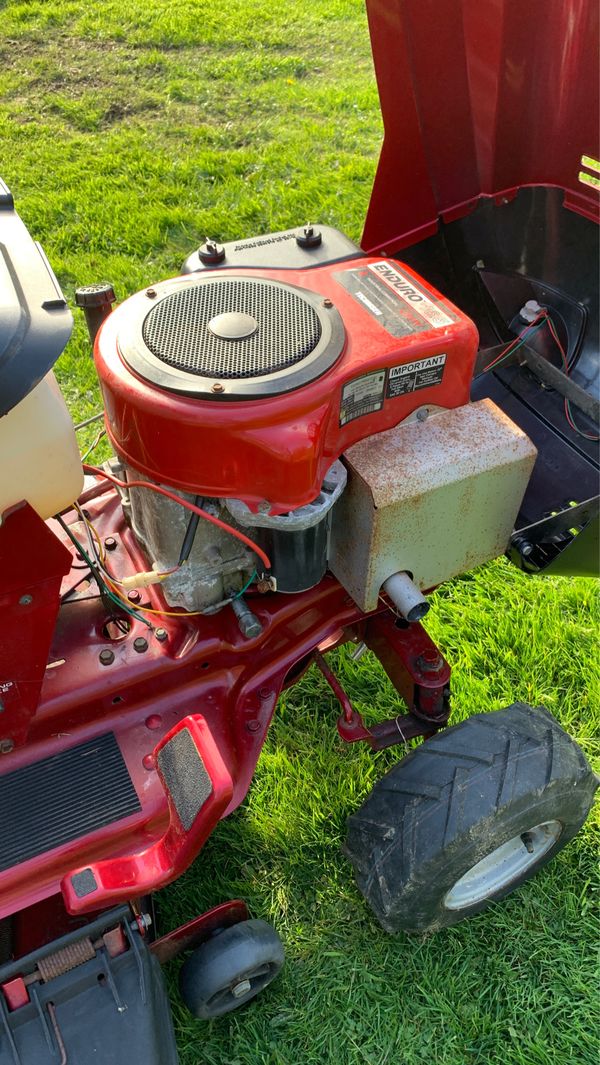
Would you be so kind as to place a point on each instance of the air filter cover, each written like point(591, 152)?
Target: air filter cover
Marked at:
point(231, 337)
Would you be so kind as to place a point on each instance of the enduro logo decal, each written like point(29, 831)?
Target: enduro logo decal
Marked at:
point(413, 295)
point(399, 304)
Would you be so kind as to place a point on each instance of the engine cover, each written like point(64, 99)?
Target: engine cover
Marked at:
point(249, 384)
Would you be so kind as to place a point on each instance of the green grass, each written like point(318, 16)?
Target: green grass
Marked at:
point(128, 131)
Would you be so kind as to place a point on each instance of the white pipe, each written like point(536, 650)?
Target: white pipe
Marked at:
point(406, 596)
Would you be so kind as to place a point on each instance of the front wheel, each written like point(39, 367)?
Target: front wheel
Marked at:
point(467, 817)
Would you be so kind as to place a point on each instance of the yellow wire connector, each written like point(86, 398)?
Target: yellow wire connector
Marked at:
point(142, 580)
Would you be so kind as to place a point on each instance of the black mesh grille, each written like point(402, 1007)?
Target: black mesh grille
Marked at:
point(176, 329)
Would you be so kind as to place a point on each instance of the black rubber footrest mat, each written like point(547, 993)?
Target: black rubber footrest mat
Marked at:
point(62, 798)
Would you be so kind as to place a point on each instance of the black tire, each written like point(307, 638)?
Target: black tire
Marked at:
point(472, 788)
point(250, 953)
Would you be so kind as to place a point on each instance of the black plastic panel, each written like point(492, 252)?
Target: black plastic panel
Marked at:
point(35, 322)
point(279, 251)
point(62, 798)
point(107, 1010)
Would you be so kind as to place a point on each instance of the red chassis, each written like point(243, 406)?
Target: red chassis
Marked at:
point(146, 686)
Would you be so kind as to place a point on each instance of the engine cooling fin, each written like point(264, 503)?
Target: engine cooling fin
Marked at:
point(231, 337)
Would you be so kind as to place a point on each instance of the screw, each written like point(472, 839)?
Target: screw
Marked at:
point(253, 726)
point(106, 657)
point(328, 303)
point(523, 546)
point(110, 543)
point(6, 746)
point(217, 387)
point(422, 415)
point(161, 635)
point(140, 645)
point(25, 600)
point(151, 293)
point(134, 596)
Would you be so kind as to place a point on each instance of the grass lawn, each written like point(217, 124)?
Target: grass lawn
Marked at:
point(128, 131)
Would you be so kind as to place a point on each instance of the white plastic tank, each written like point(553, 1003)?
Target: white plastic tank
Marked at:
point(39, 457)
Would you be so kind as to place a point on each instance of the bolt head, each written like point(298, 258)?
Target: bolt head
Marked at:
point(161, 635)
point(151, 293)
point(25, 600)
point(106, 657)
point(217, 387)
point(430, 661)
point(328, 303)
point(6, 746)
point(140, 644)
point(110, 543)
point(134, 595)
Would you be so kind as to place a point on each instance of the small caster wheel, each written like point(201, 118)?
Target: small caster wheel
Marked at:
point(229, 970)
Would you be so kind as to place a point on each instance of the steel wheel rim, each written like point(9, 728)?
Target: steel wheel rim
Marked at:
point(502, 866)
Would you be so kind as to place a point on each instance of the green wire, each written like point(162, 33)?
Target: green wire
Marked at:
point(246, 586)
point(530, 332)
point(101, 583)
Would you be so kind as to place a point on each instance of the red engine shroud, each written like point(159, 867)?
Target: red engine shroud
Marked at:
point(279, 448)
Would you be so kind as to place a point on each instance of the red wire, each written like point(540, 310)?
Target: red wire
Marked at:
point(507, 350)
point(568, 416)
point(184, 503)
point(543, 315)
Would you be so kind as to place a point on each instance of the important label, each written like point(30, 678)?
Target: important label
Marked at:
point(399, 303)
point(423, 373)
point(363, 395)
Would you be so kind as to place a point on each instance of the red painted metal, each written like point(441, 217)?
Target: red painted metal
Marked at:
point(15, 993)
point(32, 565)
point(190, 935)
point(473, 93)
point(204, 669)
point(280, 446)
point(414, 665)
point(146, 870)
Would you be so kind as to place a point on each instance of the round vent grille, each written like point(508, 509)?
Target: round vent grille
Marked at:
point(227, 337)
point(177, 329)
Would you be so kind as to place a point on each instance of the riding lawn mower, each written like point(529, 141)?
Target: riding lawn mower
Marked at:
point(308, 437)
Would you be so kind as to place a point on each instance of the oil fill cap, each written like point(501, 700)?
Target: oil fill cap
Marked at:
point(233, 325)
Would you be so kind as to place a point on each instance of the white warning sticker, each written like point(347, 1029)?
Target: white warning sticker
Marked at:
point(412, 294)
point(411, 376)
point(363, 395)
